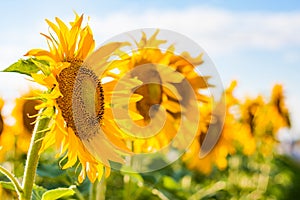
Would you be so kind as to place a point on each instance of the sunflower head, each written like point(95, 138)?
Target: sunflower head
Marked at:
point(277, 100)
point(170, 81)
point(78, 102)
point(25, 114)
point(171, 89)
point(233, 134)
point(86, 103)
point(250, 111)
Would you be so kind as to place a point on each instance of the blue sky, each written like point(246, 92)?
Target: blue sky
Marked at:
point(255, 42)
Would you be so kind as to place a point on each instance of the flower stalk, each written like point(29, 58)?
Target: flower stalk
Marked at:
point(39, 132)
point(98, 189)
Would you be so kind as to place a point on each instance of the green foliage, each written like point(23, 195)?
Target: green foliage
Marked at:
point(58, 193)
point(28, 66)
point(7, 185)
point(247, 177)
point(51, 176)
point(38, 192)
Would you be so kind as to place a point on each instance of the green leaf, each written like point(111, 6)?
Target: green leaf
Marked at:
point(38, 192)
point(27, 67)
point(170, 183)
point(58, 193)
point(7, 185)
point(42, 65)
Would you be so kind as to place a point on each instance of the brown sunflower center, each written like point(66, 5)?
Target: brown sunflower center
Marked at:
point(82, 101)
point(151, 92)
point(28, 110)
point(251, 116)
point(1, 124)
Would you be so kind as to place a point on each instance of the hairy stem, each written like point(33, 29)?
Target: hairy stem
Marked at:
point(39, 132)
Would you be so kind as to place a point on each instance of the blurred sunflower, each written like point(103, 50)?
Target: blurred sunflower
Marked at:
point(82, 127)
point(278, 107)
point(264, 119)
point(163, 88)
point(24, 113)
point(231, 135)
point(7, 138)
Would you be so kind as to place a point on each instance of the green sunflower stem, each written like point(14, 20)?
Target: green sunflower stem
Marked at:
point(98, 190)
point(39, 132)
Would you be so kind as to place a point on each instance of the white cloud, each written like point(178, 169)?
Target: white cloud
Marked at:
point(218, 31)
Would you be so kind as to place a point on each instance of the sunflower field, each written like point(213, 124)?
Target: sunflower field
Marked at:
point(143, 116)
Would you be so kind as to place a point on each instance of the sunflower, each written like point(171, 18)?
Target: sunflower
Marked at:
point(230, 135)
point(264, 119)
point(170, 83)
point(24, 113)
point(7, 138)
point(277, 103)
point(78, 102)
point(17, 137)
point(250, 125)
